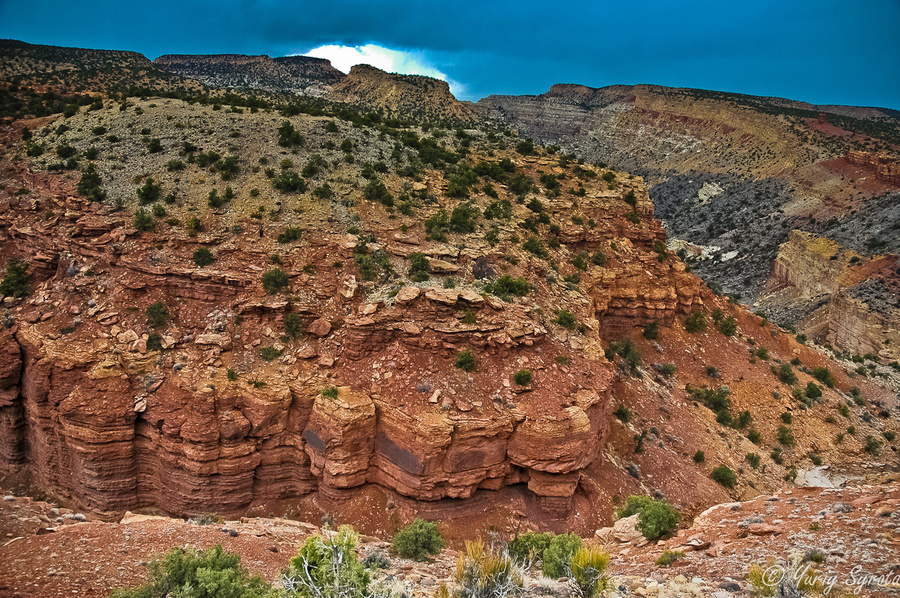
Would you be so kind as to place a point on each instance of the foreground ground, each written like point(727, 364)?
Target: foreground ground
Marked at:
point(47, 551)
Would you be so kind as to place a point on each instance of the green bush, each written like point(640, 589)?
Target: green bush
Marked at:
point(149, 192)
point(329, 391)
point(786, 374)
point(418, 540)
point(656, 518)
point(651, 330)
point(89, 185)
point(753, 459)
point(623, 413)
point(274, 281)
point(558, 555)
point(270, 353)
point(419, 269)
point(565, 318)
point(695, 322)
point(15, 282)
point(785, 436)
point(724, 476)
point(290, 234)
point(523, 377)
point(293, 325)
point(203, 257)
point(823, 375)
point(727, 326)
point(465, 360)
point(190, 573)
point(506, 285)
point(288, 136)
point(529, 546)
point(143, 221)
point(668, 558)
point(699, 457)
point(157, 314)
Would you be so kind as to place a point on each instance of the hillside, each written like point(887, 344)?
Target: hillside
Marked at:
point(283, 75)
point(378, 357)
point(403, 96)
point(70, 71)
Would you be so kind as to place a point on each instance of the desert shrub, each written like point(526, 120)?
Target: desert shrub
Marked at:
point(656, 518)
point(588, 571)
point(753, 436)
point(727, 326)
point(651, 330)
point(143, 220)
point(498, 209)
point(288, 181)
point(695, 322)
point(523, 377)
point(15, 281)
point(753, 459)
point(785, 436)
point(668, 558)
point(813, 391)
point(288, 136)
point(290, 234)
point(89, 184)
point(376, 559)
point(724, 476)
point(872, 445)
point(231, 374)
point(274, 281)
point(823, 375)
point(623, 413)
point(418, 540)
point(154, 342)
point(558, 555)
point(330, 392)
point(487, 573)
point(149, 192)
point(327, 567)
point(270, 353)
point(506, 285)
point(463, 217)
point(668, 370)
point(699, 457)
point(211, 573)
point(627, 351)
point(419, 270)
point(530, 546)
point(465, 360)
point(438, 226)
point(157, 314)
point(293, 325)
point(565, 318)
point(203, 257)
point(762, 353)
point(786, 374)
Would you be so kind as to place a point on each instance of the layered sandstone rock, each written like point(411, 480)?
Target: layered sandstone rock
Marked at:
point(841, 298)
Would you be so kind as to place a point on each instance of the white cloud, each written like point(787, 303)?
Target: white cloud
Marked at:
point(386, 59)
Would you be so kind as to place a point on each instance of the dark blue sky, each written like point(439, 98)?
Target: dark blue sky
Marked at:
point(820, 51)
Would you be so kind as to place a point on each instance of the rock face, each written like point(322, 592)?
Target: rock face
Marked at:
point(840, 297)
point(399, 95)
point(885, 167)
point(287, 74)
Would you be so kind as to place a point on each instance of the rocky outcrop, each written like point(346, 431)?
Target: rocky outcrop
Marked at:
point(885, 167)
point(412, 96)
point(838, 296)
point(287, 74)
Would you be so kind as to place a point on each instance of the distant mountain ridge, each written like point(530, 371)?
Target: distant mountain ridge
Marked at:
point(287, 74)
